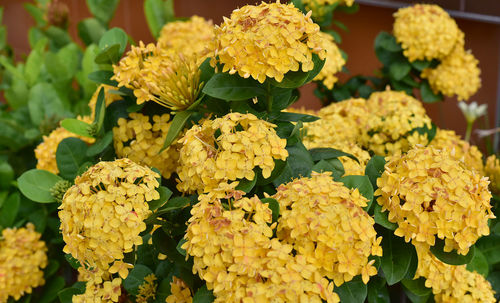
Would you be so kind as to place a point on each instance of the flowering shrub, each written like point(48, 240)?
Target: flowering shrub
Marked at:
point(179, 173)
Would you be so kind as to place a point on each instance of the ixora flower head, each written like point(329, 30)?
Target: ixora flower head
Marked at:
point(227, 149)
point(180, 292)
point(457, 74)
point(45, 152)
point(229, 238)
point(141, 138)
point(267, 41)
point(320, 8)
point(429, 194)
point(452, 283)
point(102, 214)
point(324, 221)
point(170, 79)
point(492, 171)
point(333, 62)
point(426, 32)
point(22, 259)
point(191, 37)
point(391, 126)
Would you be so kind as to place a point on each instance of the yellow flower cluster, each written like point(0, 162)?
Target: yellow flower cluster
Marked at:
point(45, 152)
point(393, 116)
point(226, 149)
point(267, 41)
point(492, 171)
point(451, 283)
point(333, 62)
point(102, 215)
point(101, 289)
point(191, 38)
point(22, 258)
point(229, 238)
point(319, 8)
point(324, 221)
point(180, 292)
point(459, 149)
point(147, 290)
point(426, 32)
point(170, 79)
point(428, 193)
point(457, 74)
point(109, 98)
point(140, 140)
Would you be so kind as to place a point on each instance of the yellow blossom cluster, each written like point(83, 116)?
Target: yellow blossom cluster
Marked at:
point(45, 152)
point(180, 292)
point(324, 221)
point(226, 149)
point(426, 32)
point(451, 283)
point(320, 8)
point(99, 287)
point(459, 149)
point(191, 38)
point(141, 138)
point(492, 171)
point(22, 259)
point(333, 62)
point(229, 238)
point(267, 41)
point(429, 194)
point(102, 216)
point(109, 98)
point(147, 290)
point(457, 74)
point(170, 79)
point(389, 128)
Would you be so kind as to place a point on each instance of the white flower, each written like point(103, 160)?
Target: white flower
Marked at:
point(472, 111)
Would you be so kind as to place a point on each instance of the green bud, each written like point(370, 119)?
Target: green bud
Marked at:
point(59, 189)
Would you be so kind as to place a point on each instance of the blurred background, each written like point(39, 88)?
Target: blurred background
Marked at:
point(478, 19)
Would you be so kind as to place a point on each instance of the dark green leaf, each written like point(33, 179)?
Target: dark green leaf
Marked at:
point(494, 279)
point(318, 66)
point(52, 289)
point(39, 218)
point(207, 71)
point(167, 245)
point(299, 160)
point(452, 257)
point(416, 286)
point(377, 290)
point(387, 41)
point(77, 127)
point(103, 10)
point(430, 132)
point(232, 87)
point(399, 69)
point(72, 261)
point(179, 248)
point(490, 248)
point(9, 210)
point(100, 145)
point(362, 183)
point(178, 123)
point(323, 153)
point(70, 155)
point(203, 295)
point(135, 278)
point(382, 219)
point(109, 55)
point(103, 77)
point(35, 184)
point(375, 168)
point(246, 185)
point(295, 117)
point(354, 291)
point(66, 295)
point(332, 165)
point(100, 110)
point(6, 175)
point(428, 96)
point(420, 65)
point(274, 206)
point(397, 257)
point(165, 194)
point(292, 80)
point(51, 268)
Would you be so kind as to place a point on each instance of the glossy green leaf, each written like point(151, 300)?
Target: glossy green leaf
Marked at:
point(420, 65)
point(416, 286)
point(165, 194)
point(203, 295)
point(100, 145)
point(374, 169)
point(66, 295)
point(178, 123)
point(70, 155)
point(232, 87)
point(246, 185)
point(452, 257)
point(300, 160)
point(35, 184)
point(109, 55)
point(103, 10)
point(167, 245)
point(295, 117)
point(354, 291)
point(274, 206)
point(77, 127)
point(399, 69)
point(377, 290)
point(52, 289)
point(490, 248)
point(428, 96)
point(114, 36)
point(323, 153)
point(135, 278)
point(100, 110)
point(332, 165)
point(103, 77)
point(397, 257)
point(387, 41)
point(10, 207)
point(382, 219)
point(363, 184)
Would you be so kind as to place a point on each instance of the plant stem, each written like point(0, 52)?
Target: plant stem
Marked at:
point(468, 131)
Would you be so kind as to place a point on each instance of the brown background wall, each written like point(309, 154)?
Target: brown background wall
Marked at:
point(482, 38)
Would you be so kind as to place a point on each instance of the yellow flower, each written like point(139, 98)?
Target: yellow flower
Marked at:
point(108, 98)
point(227, 149)
point(451, 283)
point(426, 32)
point(147, 290)
point(461, 150)
point(191, 37)
point(103, 291)
point(324, 222)
point(334, 61)
point(180, 292)
point(120, 268)
point(267, 41)
point(394, 115)
point(141, 138)
point(457, 74)
point(492, 171)
point(319, 7)
point(102, 214)
point(22, 259)
point(45, 152)
point(429, 194)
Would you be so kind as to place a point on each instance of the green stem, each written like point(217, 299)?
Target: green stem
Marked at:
point(468, 131)
point(269, 97)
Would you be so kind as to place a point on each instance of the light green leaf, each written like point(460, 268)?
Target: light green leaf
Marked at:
point(77, 127)
point(35, 184)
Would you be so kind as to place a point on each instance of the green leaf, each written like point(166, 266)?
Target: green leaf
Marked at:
point(428, 96)
point(165, 194)
point(90, 31)
point(382, 219)
point(44, 102)
point(430, 132)
point(35, 184)
point(323, 153)
point(274, 206)
point(299, 160)
point(77, 127)
point(490, 248)
point(109, 55)
point(318, 66)
point(33, 67)
point(374, 169)
point(397, 257)
point(203, 295)
point(416, 286)
point(452, 257)
point(399, 69)
point(135, 278)
point(66, 295)
point(39, 218)
point(100, 110)
point(387, 41)
point(295, 117)
point(292, 80)
point(51, 289)
point(332, 165)
point(420, 65)
point(158, 13)
point(167, 245)
point(354, 291)
point(103, 10)
point(51, 268)
point(377, 290)
point(494, 279)
point(6, 175)
point(72, 261)
point(70, 155)
point(103, 77)
point(246, 185)
point(232, 87)
point(207, 71)
point(36, 12)
point(362, 183)
point(100, 145)
point(9, 210)
point(111, 38)
point(178, 123)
